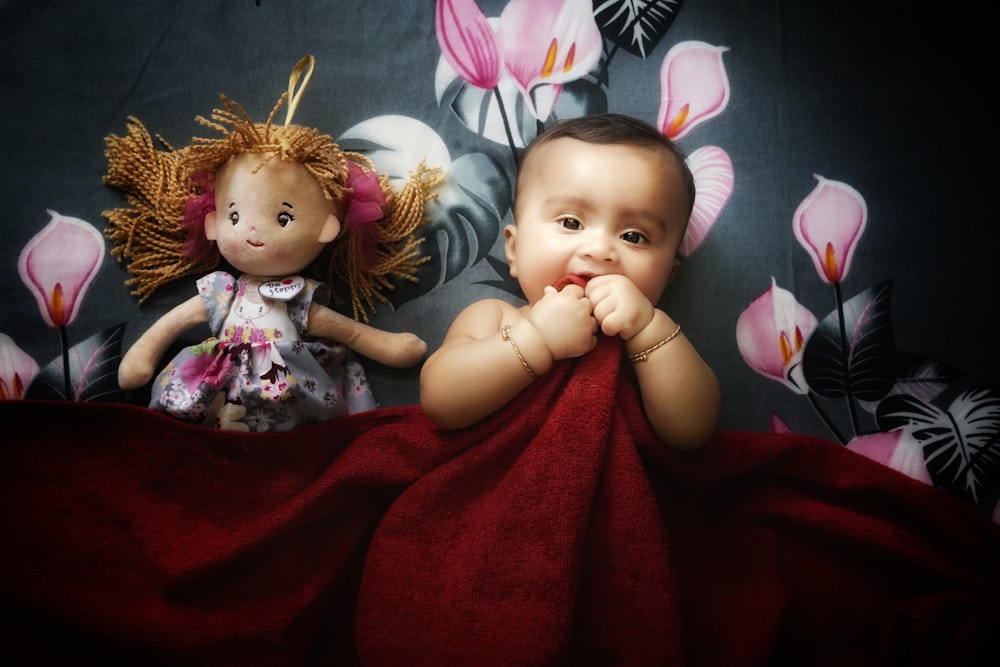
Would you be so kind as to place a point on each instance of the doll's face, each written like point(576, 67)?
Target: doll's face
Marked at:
point(271, 223)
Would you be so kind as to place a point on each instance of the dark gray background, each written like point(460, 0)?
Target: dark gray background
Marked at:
point(888, 98)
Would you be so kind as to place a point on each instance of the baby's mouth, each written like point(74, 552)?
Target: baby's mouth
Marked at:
point(570, 279)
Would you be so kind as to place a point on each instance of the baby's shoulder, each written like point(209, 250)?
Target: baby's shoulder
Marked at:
point(497, 308)
point(484, 315)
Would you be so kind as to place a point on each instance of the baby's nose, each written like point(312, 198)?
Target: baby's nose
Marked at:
point(599, 247)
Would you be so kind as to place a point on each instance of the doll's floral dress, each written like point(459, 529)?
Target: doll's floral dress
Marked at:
point(261, 372)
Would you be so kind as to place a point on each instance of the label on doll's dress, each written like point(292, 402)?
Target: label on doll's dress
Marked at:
point(283, 289)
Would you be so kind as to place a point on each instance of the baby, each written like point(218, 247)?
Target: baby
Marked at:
point(601, 206)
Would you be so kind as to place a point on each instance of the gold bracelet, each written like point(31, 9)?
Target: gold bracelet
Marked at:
point(505, 334)
point(641, 356)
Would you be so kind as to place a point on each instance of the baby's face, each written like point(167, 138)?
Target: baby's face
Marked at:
point(595, 209)
point(271, 223)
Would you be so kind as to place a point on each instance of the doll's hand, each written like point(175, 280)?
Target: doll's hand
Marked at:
point(134, 371)
point(404, 350)
point(619, 307)
point(399, 350)
point(565, 321)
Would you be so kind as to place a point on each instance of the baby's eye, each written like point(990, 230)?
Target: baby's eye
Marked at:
point(284, 218)
point(634, 237)
point(571, 223)
point(234, 217)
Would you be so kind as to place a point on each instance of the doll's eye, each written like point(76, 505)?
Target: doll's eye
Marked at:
point(284, 218)
point(234, 217)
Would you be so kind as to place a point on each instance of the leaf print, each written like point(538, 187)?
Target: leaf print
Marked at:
point(961, 445)
point(858, 363)
point(93, 370)
point(635, 26)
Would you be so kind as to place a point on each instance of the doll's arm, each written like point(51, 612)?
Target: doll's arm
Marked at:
point(399, 350)
point(139, 363)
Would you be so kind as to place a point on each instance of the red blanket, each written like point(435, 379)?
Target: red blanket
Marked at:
point(556, 532)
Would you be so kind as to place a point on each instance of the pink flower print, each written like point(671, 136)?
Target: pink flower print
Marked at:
point(17, 369)
point(829, 223)
point(771, 333)
point(58, 265)
point(713, 179)
point(468, 42)
point(778, 425)
point(896, 449)
point(694, 87)
point(206, 368)
point(256, 336)
point(548, 42)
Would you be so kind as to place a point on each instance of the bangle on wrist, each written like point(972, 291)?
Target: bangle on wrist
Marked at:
point(505, 335)
point(641, 356)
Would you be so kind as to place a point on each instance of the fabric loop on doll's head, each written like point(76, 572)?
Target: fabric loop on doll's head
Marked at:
point(308, 63)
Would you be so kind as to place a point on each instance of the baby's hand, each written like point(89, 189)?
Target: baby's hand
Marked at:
point(566, 322)
point(619, 307)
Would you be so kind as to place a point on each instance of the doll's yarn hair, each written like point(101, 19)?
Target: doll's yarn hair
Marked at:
point(167, 188)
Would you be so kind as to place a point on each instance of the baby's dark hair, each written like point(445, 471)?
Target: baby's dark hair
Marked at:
point(612, 128)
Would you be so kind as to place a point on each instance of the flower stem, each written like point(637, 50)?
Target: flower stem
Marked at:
point(852, 410)
point(826, 419)
point(64, 340)
point(506, 125)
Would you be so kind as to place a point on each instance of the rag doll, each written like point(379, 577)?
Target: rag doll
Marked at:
point(273, 202)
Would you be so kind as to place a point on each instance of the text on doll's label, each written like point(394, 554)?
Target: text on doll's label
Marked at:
point(283, 289)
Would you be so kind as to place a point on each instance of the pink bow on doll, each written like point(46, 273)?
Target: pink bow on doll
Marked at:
point(364, 208)
point(196, 245)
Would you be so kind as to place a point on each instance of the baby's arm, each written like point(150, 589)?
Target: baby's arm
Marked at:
point(140, 362)
point(477, 371)
point(680, 393)
point(399, 350)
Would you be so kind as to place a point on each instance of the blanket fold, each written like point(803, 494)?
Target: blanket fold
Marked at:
point(557, 531)
point(542, 543)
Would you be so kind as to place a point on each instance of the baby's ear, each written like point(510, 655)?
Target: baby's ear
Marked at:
point(331, 228)
point(211, 218)
point(510, 248)
point(676, 264)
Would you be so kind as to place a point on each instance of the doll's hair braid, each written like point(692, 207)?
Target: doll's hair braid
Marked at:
point(398, 251)
point(147, 234)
